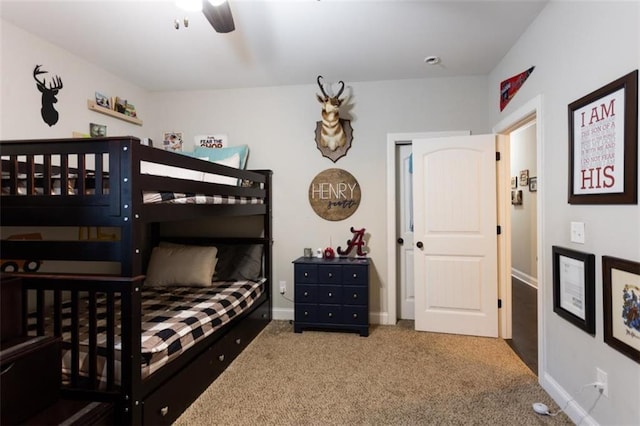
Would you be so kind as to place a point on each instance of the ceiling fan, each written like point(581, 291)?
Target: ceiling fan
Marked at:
point(217, 12)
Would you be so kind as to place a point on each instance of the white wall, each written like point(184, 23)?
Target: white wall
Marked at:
point(576, 48)
point(20, 102)
point(278, 123)
point(523, 217)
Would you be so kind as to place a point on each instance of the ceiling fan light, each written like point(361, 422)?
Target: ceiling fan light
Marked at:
point(219, 17)
point(190, 5)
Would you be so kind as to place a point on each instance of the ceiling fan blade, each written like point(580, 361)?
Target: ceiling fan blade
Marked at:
point(219, 17)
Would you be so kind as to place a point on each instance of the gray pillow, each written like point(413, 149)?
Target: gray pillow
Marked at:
point(239, 262)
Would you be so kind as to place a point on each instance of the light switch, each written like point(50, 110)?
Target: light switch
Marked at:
point(577, 232)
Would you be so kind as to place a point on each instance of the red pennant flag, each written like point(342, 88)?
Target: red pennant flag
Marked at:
point(510, 86)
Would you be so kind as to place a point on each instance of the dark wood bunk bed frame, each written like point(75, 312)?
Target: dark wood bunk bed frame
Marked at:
point(165, 394)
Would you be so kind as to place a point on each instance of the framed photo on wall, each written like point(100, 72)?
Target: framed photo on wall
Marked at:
point(620, 298)
point(574, 287)
point(603, 144)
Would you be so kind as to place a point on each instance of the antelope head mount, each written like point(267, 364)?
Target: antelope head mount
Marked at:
point(48, 112)
point(333, 134)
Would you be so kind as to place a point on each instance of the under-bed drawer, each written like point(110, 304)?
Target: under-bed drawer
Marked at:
point(167, 403)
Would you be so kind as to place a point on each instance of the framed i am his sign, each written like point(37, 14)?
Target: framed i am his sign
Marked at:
point(603, 144)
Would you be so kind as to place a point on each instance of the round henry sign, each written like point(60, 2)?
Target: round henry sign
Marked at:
point(334, 194)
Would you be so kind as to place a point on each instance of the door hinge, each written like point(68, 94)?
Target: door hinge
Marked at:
point(498, 156)
point(499, 229)
point(499, 303)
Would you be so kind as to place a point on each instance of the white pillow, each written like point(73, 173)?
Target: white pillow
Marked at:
point(181, 265)
point(233, 161)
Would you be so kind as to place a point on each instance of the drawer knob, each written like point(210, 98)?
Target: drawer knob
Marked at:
point(330, 314)
point(306, 274)
point(238, 341)
point(306, 314)
point(355, 316)
point(306, 294)
point(355, 295)
point(330, 275)
point(355, 275)
point(221, 357)
point(164, 411)
point(330, 294)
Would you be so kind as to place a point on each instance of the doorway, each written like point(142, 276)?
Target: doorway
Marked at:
point(532, 108)
point(523, 232)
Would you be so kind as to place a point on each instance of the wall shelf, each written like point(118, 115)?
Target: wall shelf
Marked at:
point(102, 110)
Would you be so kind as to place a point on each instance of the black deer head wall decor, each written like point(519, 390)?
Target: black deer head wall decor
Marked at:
point(48, 112)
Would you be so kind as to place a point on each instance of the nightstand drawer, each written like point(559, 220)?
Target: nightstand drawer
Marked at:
point(330, 294)
point(306, 274)
point(329, 274)
point(330, 314)
point(352, 295)
point(306, 313)
point(355, 275)
point(306, 293)
point(355, 315)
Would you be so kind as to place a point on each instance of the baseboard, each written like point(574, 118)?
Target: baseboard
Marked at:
point(525, 278)
point(566, 402)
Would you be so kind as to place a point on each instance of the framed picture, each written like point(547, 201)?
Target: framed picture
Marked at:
point(524, 177)
point(533, 184)
point(603, 144)
point(621, 291)
point(574, 287)
point(172, 141)
point(516, 197)
point(514, 182)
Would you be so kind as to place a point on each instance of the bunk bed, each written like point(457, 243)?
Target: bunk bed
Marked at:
point(107, 321)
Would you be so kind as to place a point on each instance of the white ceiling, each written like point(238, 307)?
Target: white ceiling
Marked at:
point(279, 42)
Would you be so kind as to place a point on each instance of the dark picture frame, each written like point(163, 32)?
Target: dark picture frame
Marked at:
point(621, 301)
point(574, 287)
point(603, 144)
point(533, 184)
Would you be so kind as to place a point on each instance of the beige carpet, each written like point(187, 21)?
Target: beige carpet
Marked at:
point(396, 376)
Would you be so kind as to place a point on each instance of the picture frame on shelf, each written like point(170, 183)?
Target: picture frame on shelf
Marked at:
point(103, 100)
point(621, 304)
point(574, 287)
point(533, 184)
point(603, 144)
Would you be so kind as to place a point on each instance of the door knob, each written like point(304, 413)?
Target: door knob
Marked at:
point(400, 241)
point(419, 244)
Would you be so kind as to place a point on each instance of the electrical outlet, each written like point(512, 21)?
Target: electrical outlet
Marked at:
point(283, 287)
point(603, 385)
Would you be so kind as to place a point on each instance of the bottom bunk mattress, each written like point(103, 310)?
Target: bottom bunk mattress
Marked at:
point(173, 320)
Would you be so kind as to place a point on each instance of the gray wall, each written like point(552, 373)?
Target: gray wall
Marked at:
point(577, 47)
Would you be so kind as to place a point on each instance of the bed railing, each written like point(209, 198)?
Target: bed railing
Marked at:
point(118, 318)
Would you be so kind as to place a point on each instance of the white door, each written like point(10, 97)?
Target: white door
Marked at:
point(405, 231)
point(454, 197)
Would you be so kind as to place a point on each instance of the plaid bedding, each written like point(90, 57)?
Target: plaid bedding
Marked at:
point(173, 320)
point(147, 197)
